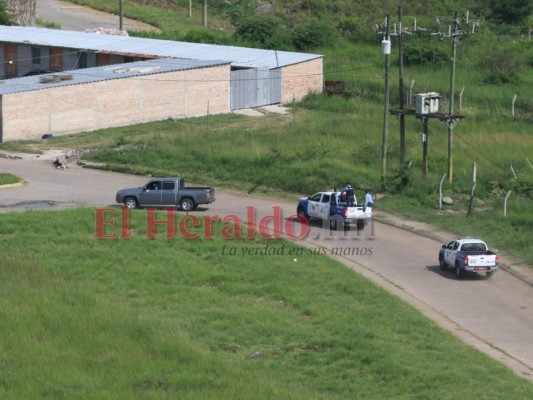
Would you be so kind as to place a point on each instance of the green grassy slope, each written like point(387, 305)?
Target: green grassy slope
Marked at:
point(175, 318)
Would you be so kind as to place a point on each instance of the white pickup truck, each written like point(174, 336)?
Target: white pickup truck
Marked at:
point(330, 207)
point(468, 255)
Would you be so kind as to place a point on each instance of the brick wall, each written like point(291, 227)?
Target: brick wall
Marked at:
point(301, 79)
point(117, 102)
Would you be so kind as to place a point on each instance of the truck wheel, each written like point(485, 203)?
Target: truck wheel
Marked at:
point(458, 272)
point(442, 264)
point(489, 274)
point(301, 213)
point(333, 224)
point(360, 224)
point(187, 204)
point(131, 202)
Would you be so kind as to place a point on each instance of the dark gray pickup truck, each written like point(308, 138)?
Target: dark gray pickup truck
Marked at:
point(166, 192)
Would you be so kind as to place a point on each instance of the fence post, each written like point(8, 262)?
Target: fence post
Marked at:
point(293, 112)
point(207, 120)
point(505, 203)
point(512, 105)
point(410, 99)
point(461, 98)
point(529, 162)
point(512, 170)
point(474, 183)
point(440, 191)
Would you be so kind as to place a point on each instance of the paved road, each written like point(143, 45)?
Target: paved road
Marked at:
point(78, 18)
point(494, 315)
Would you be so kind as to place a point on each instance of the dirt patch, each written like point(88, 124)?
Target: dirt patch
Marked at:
point(58, 158)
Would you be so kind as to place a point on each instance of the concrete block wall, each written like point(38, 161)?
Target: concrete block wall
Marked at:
point(299, 80)
point(76, 108)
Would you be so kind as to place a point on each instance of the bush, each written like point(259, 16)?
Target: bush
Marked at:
point(314, 33)
point(500, 66)
point(234, 10)
point(199, 36)
point(355, 30)
point(265, 31)
point(424, 51)
point(522, 186)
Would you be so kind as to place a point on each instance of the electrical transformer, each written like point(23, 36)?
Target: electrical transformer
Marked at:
point(427, 103)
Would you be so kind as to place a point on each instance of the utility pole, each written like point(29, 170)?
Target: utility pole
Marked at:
point(386, 31)
point(401, 88)
point(121, 15)
point(455, 39)
point(425, 140)
point(205, 13)
point(455, 33)
point(386, 45)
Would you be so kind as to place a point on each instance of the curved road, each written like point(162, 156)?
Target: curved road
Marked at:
point(494, 315)
point(74, 17)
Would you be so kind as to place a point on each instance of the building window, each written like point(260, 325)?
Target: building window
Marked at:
point(36, 55)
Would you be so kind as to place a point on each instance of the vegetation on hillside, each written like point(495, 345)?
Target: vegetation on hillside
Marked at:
point(305, 25)
point(5, 15)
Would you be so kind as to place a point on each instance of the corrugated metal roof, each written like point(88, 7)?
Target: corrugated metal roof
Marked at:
point(237, 56)
point(95, 74)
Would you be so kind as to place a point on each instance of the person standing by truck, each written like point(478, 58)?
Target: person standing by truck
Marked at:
point(369, 201)
point(350, 195)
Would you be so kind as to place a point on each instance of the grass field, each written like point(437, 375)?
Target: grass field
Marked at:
point(175, 318)
point(8, 179)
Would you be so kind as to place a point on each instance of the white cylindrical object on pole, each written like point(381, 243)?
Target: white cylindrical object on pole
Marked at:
point(386, 46)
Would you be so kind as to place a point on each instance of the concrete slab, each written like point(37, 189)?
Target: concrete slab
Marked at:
point(276, 109)
point(260, 111)
point(250, 112)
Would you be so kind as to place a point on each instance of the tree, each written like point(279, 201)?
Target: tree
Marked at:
point(5, 15)
point(22, 12)
point(314, 33)
point(513, 12)
point(266, 31)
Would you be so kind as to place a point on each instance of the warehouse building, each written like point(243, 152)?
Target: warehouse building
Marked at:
point(93, 81)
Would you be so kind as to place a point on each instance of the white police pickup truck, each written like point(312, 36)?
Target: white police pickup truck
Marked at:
point(468, 255)
point(329, 206)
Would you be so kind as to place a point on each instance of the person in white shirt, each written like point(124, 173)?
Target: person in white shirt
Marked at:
point(369, 201)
